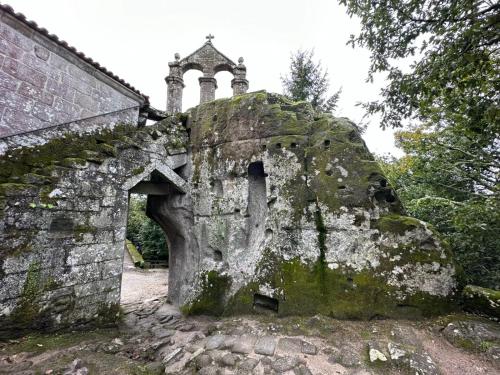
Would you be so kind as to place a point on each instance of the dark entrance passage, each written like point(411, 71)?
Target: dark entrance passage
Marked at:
point(146, 256)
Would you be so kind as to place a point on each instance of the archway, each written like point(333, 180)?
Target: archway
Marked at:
point(191, 93)
point(165, 199)
point(224, 89)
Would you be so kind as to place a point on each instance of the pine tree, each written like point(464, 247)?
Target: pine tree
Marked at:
point(307, 81)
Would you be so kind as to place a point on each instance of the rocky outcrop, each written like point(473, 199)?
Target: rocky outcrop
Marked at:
point(267, 206)
point(291, 213)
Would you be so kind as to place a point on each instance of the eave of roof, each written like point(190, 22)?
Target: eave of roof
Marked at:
point(33, 25)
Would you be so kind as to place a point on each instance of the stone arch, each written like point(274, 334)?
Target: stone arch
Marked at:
point(224, 68)
point(166, 203)
point(210, 61)
point(192, 66)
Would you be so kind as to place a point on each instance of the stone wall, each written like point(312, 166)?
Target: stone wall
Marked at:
point(63, 220)
point(43, 84)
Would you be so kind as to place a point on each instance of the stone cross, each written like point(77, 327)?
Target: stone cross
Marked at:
point(209, 37)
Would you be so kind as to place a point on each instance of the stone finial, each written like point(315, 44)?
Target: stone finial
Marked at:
point(209, 37)
point(177, 57)
point(241, 60)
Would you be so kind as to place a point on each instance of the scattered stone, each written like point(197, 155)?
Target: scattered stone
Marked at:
point(248, 364)
point(308, 348)
point(302, 370)
point(265, 345)
point(160, 343)
point(76, 368)
point(186, 327)
point(162, 333)
point(290, 345)
point(117, 341)
point(228, 342)
point(167, 312)
point(110, 348)
point(173, 356)
point(197, 353)
point(423, 364)
point(203, 360)
point(469, 334)
point(285, 364)
point(395, 351)
point(244, 344)
point(210, 370)
point(229, 360)
point(376, 355)
point(346, 356)
point(192, 348)
point(194, 337)
point(215, 342)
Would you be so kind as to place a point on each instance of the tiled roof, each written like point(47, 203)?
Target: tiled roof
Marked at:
point(33, 25)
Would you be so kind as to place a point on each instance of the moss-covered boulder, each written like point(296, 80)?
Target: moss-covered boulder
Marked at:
point(482, 300)
point(293, 212)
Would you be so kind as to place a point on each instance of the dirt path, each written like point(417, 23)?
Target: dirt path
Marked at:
point(454, 361)
point(139, 285)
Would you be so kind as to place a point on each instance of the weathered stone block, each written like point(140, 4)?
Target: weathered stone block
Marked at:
point(24, 73)
point(112, 268)
point(33, 92)
point(8, 82)
point(10, 50)
point(63, 91)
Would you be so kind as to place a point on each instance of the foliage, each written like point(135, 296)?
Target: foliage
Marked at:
point(449, 176)
point(470, 222)
point(455, 79)
point(307, 81)
point(146, 234)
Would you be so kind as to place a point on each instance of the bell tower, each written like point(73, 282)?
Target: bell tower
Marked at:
point(210, 61)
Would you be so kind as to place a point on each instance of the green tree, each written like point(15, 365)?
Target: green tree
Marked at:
point(145, 233)
point(454, 76)
point(448, 99)
point(307, 81)
point(434, 186)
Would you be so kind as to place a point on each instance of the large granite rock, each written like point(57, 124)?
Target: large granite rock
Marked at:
point(291, 213)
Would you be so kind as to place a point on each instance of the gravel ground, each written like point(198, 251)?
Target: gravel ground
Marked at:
point(139, 285)
point(154, 338)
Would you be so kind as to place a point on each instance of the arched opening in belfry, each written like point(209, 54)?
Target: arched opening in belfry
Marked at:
point(191, 92)
point(224, 89)
point(151, 238)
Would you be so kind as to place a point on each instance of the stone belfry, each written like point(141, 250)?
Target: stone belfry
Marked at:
point(210, 61)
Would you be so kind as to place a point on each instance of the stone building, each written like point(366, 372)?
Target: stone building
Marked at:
point(44, 82)
point(266, 204)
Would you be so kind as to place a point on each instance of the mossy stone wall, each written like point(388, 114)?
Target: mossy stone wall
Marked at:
point(63, 220)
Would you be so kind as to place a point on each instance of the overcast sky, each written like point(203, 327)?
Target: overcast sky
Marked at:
point(137, 39)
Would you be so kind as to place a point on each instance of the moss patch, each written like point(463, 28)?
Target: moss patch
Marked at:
point(482, 300)
point(28, 308)
point(396, 224)
point(339, 293)
point(211, 298)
